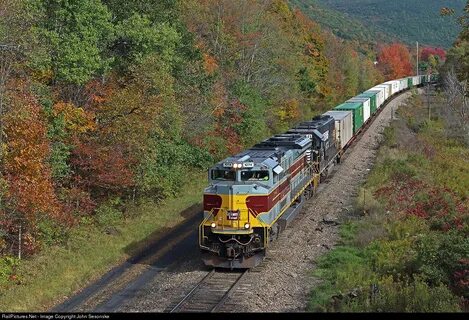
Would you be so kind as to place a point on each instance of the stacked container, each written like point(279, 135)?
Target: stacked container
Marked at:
point(366, 106)
point(403, 84)
point(387, 90)
point(394, 84)
point(423, 79)
point(379, 95)
point(372, 96)
point(410, 82)
point(343, 126)
point(357, 110)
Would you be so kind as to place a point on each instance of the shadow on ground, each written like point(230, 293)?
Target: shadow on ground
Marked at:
point(164, 248)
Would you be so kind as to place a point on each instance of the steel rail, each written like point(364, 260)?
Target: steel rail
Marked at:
point(204, 286)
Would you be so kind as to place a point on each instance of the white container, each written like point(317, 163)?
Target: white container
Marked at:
point(387, 90)
point(403, 84)
point(343, 126)
point(394, 86)
point(380, 97)
point(366, 106)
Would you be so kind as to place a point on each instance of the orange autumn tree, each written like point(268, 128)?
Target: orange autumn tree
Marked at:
point(30, 194)
point(394, 61)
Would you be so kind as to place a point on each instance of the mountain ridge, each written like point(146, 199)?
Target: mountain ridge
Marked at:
point(373, 20)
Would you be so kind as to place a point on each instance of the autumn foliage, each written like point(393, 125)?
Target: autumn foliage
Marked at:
point(436, 52)
point(30, 195)
point(31, 187)
point(121, 100)
point(394, 61)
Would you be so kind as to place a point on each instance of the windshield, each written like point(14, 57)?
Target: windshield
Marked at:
point(224, 175)
point(255, 175)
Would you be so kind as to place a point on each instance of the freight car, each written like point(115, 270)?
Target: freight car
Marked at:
point(254, 195)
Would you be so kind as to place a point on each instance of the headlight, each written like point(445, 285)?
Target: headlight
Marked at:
point(213, 225)
point(247, 225)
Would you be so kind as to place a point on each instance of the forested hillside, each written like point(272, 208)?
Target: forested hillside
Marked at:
point(342, 25)
point(408, 21)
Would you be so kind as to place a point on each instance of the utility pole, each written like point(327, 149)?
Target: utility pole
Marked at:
point(19, 243)
point(428, 100)
point(417, 58)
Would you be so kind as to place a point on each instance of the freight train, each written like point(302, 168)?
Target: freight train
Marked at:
point(254, 195)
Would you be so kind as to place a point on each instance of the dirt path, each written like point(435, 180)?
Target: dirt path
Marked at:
point(285, 281)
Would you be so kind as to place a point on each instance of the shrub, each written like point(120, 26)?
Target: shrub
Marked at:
point(402, 296)
point(440, 255)
point(395, 257)
point(50, 232)
point(164, 166)
point(7, 268)
point(107, 214)
point(389, 136)
point(341, 269)
point(363, 232)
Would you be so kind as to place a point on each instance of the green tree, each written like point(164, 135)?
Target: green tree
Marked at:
point(137, 37)
point(77, 33)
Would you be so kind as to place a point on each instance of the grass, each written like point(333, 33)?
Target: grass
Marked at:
point(394, 258)
point(57, 272)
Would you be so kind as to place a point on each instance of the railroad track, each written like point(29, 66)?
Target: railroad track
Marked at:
point(211, 293)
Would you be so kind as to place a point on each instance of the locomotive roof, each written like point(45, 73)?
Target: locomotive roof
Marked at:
point(316, 122)
point(269, 151)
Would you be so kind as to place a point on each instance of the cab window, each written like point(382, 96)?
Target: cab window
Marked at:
point(224, 175)
point(255, 175)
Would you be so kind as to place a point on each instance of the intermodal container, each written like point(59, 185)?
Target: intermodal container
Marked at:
point(379, 92)
point(343, 126)
point(403, 84)
point(366, 106)
point(423, 79)
point(394, 86)
point(372, 97)
point(410, 83)
point(387, 90)
point(357, 110)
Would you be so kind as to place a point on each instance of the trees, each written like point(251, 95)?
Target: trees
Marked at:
point(458, 101)
point(16, 42)
point(436, 52)
point(28, 194)
point(431, 58)
point(456, 73)
point(77, 34)
point(121, 98)
point(394, 61)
